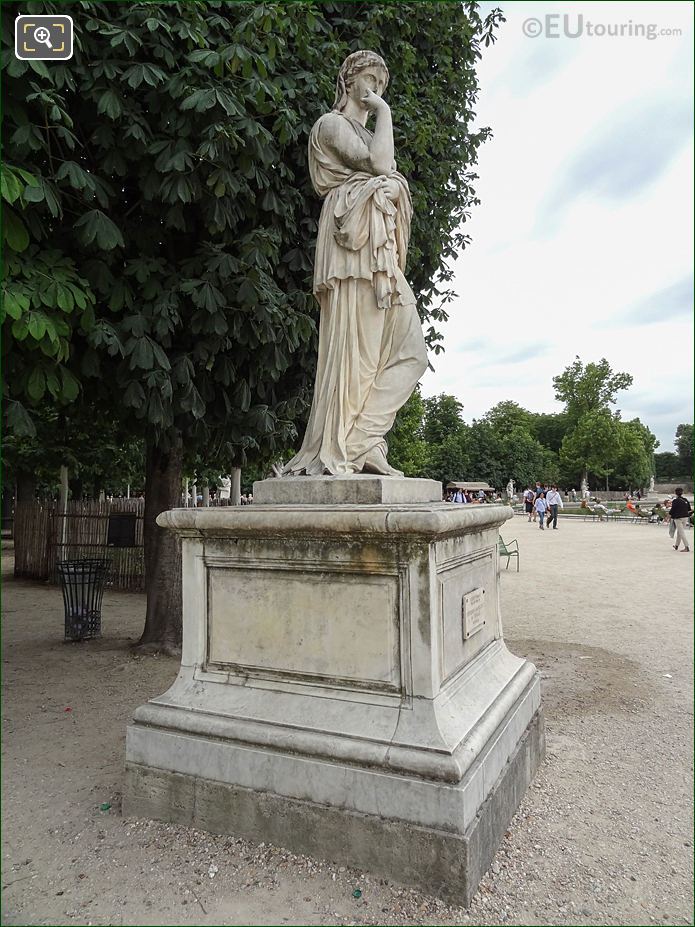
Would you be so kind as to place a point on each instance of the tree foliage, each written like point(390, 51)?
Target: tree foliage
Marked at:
point(167, 161)
point(408, 450)
point(667, 466)
point(99, 453)
point(589, 388)
point(158, 181)
point(592, 445)
point(634, 463)
point(596, 441)
point(550, 428)
point(684, 446)
point(678, 465)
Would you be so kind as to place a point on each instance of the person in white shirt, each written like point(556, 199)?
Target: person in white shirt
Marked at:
point(529, 496)
point(554, 500)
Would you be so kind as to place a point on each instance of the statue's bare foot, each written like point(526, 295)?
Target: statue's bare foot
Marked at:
point(376, 462)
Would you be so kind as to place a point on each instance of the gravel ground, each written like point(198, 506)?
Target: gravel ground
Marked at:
point(604, 835)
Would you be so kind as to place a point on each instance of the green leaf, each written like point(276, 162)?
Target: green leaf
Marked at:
point(20, 328)
point(247, 292)
point(243, 396)
point(36, 385)
point(160, 355)
point(40, 68)
point(200, 100)
point(19, 422)
point(53, 384)
point(37, 325)
point(34, 194)
point(109, 104)
point(14, 231)
point(9, 185)
point(29, 179)
point(134, 395)
point(96, 226)
point(71, 386)
point(155, 409)
point(134, 76)
point(65, 299)
point(78, 177)
point(142, 354)
point(14, 303)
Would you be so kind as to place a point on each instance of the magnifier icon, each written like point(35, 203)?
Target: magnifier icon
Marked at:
point(41, 34)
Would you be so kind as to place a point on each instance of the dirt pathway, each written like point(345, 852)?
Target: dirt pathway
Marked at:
point(603, 837)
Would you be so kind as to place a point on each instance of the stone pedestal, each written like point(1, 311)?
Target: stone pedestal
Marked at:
point(344, 687)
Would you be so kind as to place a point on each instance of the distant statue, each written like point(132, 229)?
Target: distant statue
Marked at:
point(651, 483)
point(584, 488)
point(371, 348)
point(510, 490)
point(225, 487)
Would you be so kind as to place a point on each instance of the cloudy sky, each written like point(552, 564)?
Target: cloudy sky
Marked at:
point(583, 242)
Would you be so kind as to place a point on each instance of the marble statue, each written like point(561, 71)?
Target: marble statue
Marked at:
point(651, 483)
point(584, 488)
point(510, 489)
point(225, 486)
point(371, 348)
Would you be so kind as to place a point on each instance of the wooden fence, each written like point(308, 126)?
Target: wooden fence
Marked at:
point(44, 535)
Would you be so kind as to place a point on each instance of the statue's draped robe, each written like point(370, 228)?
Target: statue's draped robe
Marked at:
point(371, 348)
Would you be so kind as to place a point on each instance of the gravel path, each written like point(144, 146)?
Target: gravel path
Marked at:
point(604, 835)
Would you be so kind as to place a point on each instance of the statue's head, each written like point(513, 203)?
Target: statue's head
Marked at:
point(361, 67)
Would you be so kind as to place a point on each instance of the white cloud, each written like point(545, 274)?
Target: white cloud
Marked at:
point(586, 192)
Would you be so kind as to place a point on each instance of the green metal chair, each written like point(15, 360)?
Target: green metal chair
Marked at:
point(509, 550)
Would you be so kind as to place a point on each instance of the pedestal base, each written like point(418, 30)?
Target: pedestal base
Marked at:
point(437, 861)
point(344, 689)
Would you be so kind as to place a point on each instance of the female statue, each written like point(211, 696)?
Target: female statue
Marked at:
point(371, 348)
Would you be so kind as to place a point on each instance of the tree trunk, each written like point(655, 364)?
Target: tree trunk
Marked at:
point(163, 475)
point(235, 493)
point(7, 505)
point(26, 487)
point(206, 496)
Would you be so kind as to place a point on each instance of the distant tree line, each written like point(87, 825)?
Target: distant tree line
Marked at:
point(587, 440)
point(677, 465)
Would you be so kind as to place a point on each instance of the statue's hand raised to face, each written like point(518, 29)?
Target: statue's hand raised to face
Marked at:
point(373, 101)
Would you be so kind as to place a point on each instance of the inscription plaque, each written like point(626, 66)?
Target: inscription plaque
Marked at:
point(473, 613)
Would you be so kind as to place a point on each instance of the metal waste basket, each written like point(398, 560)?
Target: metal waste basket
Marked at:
point(83, 584)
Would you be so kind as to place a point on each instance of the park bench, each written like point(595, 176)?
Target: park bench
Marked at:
point(509, 550)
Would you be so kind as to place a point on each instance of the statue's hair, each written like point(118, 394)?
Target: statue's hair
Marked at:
point(350, 68)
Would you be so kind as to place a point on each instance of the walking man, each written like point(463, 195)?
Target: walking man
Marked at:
point(541, 507)
point(554, 500)
point(680, 513)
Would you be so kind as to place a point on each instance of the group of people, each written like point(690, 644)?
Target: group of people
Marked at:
point(543, 503)
point(215, 498)
point(468, 496)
